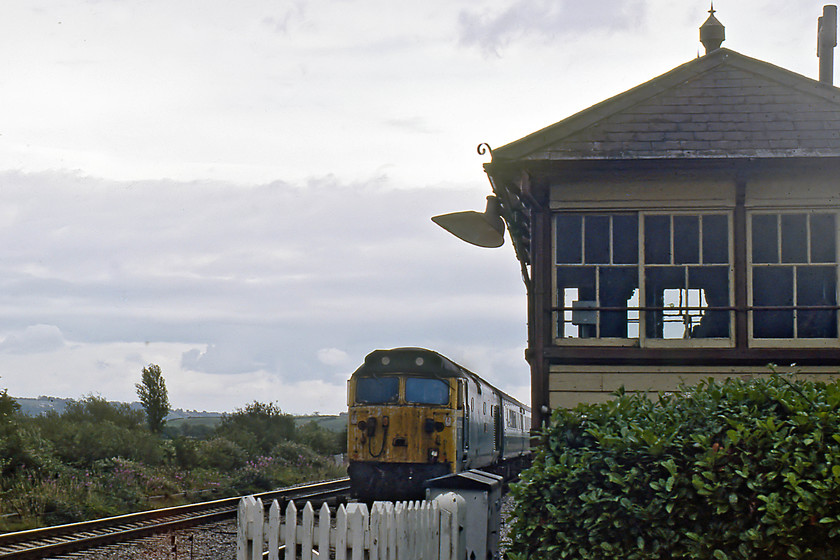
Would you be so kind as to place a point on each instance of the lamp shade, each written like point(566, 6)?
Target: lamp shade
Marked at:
point(485, 229)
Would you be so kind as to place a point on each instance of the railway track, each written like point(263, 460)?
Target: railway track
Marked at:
point(63, 539)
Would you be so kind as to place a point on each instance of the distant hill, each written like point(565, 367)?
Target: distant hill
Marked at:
point(176, 417)
point(36, 407)
point(329, 422)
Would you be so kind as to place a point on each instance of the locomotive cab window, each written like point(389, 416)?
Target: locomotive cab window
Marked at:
point(377, 390)
point(420, 390)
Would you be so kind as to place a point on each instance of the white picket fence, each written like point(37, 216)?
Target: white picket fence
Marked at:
point(428, 530)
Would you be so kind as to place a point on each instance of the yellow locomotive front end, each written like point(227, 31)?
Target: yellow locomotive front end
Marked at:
point(403, 428)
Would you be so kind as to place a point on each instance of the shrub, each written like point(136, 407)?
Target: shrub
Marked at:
point(220, 453)
point(257, 428)
point(322, 440)
point(738, 469)
point(186, 452)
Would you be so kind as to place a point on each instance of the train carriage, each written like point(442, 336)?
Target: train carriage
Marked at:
point(416, 415)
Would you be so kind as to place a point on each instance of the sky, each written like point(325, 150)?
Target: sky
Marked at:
point(241, 192)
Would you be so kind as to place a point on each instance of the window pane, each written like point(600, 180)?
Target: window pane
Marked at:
point(578, 283)
point(569, 239)
point(617, 286)
point(657, 281)
point(765, 239)
point(823, 238)
point(377, 390)
point(794, 238)
point(426, 391)
point(816, 285)
point(773, 286)
point(597, 239)
point(713, 283)
point(686, 239)
point(582, 277)
point(715, 239)
point(625, 239)
point(658, 239)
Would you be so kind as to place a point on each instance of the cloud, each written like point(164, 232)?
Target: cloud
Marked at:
point(333, 357)
point(544, 21)
point(33, 339)
point(217, 358)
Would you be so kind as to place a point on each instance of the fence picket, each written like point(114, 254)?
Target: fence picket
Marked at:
point(390, 512)
point(290, 532)
point(341, 533)
point(253, 532)
point(308, 527)
point(357, 517)
point(274, 529)
point(243, 543)
point(324, 523)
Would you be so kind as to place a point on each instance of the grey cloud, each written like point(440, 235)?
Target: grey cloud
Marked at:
point(544, 20)
point(33, 339)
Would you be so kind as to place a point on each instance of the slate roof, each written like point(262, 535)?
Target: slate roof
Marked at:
point(722, 105)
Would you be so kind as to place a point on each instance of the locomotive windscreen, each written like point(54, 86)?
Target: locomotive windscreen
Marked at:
point(377, 390)
point(420, 390)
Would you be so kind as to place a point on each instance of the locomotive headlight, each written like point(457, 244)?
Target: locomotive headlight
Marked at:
point(447, 421)
point(433, 455)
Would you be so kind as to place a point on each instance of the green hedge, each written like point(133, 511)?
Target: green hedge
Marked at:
point(741, 469)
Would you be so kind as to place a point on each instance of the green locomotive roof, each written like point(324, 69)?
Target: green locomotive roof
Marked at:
point(412, 360)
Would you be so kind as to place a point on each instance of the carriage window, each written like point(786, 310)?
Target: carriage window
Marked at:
point(511, 419)
point(420, 390)
point(794, 275)
point(377, 390)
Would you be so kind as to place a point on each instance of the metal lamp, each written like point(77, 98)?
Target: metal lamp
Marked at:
point(485, 229)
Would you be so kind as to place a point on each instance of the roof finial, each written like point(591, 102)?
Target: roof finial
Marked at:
point(712, 31)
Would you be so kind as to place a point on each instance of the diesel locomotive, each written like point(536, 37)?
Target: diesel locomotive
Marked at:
point(416, 415)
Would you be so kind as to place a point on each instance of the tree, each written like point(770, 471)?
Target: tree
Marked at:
point(8, 406)
point(153, 397)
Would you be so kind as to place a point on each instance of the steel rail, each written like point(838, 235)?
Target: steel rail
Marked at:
point(62, 539)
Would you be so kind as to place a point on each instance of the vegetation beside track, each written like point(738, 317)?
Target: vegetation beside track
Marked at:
point(98, 459)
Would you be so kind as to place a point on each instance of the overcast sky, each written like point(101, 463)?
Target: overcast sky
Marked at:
point(240, 192)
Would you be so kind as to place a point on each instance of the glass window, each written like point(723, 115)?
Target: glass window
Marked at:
point(597, 275)
point(685, 265)
point(794, 293)
point(421, 390)
point(684, 279)
point(377, 390)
